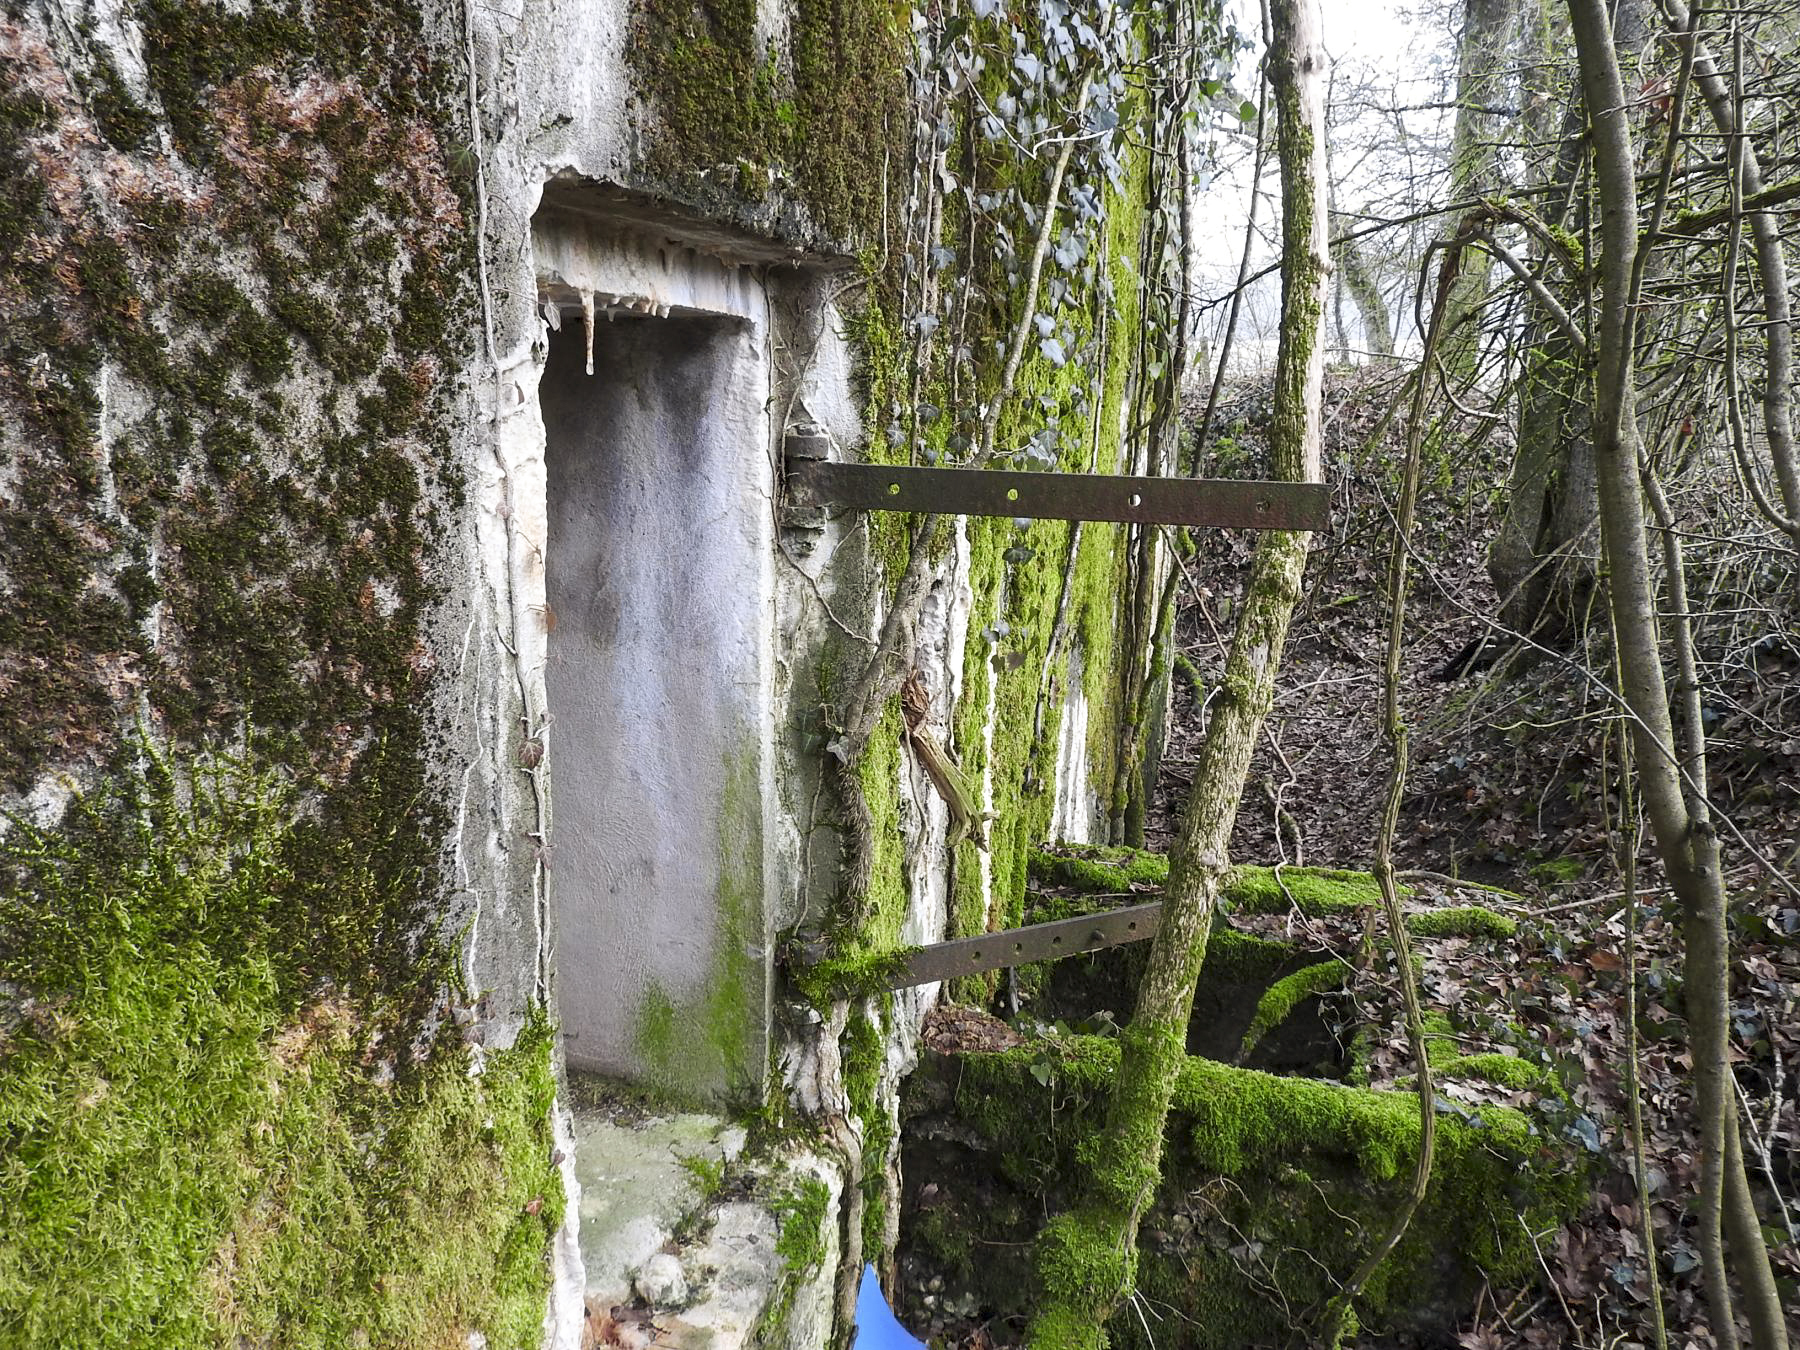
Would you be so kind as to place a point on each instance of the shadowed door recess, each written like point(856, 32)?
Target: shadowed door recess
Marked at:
point(657, 540)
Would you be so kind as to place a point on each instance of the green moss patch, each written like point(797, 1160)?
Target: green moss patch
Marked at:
point(801, 1213)
point(1317, 892)
point(1287, 993)
point(1507, 1071)
point(206, 1138)
point(1461, 921)
point(737, 121)
point(864, 1052)
point(1098, 870)
point(1272, 1189)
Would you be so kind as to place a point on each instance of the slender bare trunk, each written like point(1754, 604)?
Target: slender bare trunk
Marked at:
point(1358, 276)
point(1542, 560)
point(1771, 263)
point(1481, 84)
point(1684, 835)
point(1087, 1257)
point(1339, 1319)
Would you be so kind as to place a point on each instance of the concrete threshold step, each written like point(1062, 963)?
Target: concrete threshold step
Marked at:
point(681, 1231)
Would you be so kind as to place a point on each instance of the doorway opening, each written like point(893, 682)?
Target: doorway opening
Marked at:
point(659, 579)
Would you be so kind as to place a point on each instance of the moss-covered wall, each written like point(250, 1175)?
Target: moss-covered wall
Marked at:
point(239, 1087)
point(1273, 1191)
point(1018, 601)
point(822, 122)
point(269, 748)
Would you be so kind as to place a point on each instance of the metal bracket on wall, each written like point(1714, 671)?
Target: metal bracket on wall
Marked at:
point(1248, 504)
point(1020, 946)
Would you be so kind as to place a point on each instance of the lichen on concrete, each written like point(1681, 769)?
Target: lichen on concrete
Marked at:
point(236, 275)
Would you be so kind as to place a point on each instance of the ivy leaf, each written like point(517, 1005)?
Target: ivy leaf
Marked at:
point(1053, 351)
point(1247, 111)
point(1029, 67)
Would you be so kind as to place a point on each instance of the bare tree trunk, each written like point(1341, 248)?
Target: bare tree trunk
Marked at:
point(1771, 263)
point(1358, 280)
point(1481, 85)
point(1542, 560)
point(1685, 838)
point(1087, 1257)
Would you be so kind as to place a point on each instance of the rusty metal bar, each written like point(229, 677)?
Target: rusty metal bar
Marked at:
point(1038, 942)
point(1250, 504)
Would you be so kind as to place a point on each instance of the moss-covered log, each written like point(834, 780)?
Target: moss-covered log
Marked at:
point(1317, 892)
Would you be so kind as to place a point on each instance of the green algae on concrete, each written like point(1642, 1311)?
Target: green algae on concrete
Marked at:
point(711, 1046)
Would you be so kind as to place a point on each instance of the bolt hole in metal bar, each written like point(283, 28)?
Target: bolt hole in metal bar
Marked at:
point(1037, 942)
point(1243, 503)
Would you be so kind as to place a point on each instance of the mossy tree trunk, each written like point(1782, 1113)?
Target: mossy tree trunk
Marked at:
point(1087, 1257)
point(1357, 273)
point(1673, 785)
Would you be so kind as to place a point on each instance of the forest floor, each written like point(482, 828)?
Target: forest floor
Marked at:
point(1513, 784)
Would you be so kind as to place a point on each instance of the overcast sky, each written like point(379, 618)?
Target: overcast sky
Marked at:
point(1379, 48)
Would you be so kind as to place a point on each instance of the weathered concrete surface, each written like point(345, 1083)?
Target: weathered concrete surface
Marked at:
point(635, 1191)
point(660, 524)
point(1078, 813)
point(707, 1269)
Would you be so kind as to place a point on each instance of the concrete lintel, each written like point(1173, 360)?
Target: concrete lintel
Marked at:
point(609, 208)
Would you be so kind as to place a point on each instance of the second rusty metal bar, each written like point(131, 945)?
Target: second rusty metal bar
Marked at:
point(1251, 504)
point(1039, 942)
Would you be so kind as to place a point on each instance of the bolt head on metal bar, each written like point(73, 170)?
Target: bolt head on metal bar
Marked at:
point(1246, 504)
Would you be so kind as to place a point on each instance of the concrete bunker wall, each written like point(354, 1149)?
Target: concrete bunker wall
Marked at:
point(659, 583)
